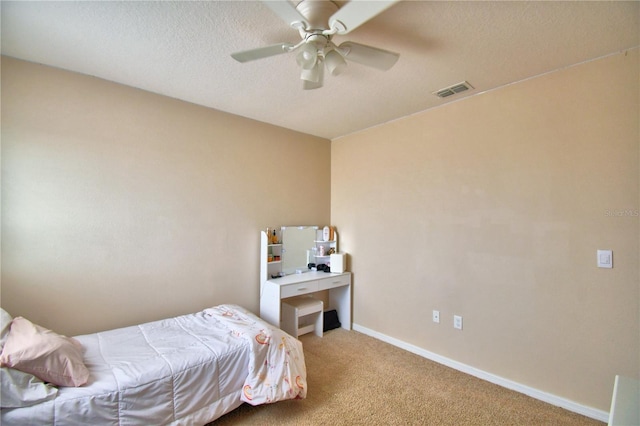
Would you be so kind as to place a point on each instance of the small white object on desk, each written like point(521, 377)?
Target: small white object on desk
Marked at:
point(338, 262)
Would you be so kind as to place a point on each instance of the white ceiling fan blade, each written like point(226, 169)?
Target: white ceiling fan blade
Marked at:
point(367, 55)
point(262, 52)
point(287, 12)
point(357, 12)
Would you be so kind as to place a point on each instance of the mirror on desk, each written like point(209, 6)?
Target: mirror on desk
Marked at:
point(296, 240)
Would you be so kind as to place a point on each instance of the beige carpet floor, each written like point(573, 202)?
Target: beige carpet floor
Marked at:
point(354, 379)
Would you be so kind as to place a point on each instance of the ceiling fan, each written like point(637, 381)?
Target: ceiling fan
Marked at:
point(318, 21)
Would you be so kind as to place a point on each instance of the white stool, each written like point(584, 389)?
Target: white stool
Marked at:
point(302, 315)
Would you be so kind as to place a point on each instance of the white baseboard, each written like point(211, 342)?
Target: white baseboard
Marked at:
point(567, 404)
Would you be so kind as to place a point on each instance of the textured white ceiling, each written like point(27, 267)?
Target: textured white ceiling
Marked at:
point(182, 49)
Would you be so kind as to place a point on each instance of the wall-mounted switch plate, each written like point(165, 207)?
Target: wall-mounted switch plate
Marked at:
point(457, 322)
point(436, 316)
point(605, 259)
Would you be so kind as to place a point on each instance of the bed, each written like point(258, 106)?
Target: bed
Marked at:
point(186, 370)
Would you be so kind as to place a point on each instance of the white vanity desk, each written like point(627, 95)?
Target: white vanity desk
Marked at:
point(276, 289)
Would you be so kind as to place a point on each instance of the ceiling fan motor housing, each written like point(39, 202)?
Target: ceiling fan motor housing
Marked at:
point(317, 13)
point(318, 40)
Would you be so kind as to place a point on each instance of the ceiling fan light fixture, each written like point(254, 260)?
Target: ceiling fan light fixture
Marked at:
point(309, 85)
point(307, 58)
point(313, 74)
point(335, 62)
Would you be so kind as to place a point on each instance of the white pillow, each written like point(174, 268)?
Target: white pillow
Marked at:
point(49, 356)
point(23, 389)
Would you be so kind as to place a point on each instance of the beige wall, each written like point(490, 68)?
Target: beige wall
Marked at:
point(493, 208)
point(121, 206)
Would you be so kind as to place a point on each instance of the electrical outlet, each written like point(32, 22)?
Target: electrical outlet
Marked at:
point(436, 316)
point(457, 322)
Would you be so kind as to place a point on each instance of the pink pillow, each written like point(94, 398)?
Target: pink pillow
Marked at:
point(49, 356)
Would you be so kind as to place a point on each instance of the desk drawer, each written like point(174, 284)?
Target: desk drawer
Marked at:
point(333, 282)
point(298, 289)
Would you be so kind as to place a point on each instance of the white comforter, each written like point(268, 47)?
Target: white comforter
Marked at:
point(185, 370)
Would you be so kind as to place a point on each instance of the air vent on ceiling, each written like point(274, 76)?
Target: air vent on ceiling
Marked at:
point(452, 90)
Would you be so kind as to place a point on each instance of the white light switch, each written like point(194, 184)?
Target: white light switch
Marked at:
point(605, 259)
